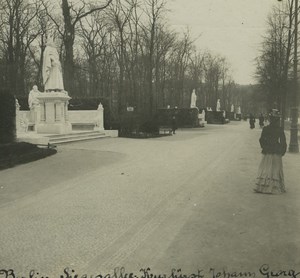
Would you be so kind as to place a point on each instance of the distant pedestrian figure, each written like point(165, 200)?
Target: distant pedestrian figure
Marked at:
point(261, 120)
point(273, 142)
point(266, 121)
point(174, 124)
point(252, 121)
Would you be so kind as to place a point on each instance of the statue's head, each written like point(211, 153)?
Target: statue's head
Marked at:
point(50, 41)
point(35, 88)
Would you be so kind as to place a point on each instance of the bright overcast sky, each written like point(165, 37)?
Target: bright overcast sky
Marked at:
point(231, 28)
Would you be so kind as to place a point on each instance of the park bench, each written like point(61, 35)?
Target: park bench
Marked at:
point(83, 126)
point(47, 146)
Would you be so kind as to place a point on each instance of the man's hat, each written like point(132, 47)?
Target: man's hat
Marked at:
point(274, 113)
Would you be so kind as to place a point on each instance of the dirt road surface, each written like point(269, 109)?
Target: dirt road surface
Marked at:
point(182, 202)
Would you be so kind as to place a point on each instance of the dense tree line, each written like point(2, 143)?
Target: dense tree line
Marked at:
point(122, 51)
point(275, 62)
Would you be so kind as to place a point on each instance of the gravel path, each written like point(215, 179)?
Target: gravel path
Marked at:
point(182, 202)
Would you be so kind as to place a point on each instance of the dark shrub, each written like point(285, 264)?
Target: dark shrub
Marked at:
point(185, 117)
point(150, 126)
point(19, 153)
point(129, 123)
point(133, 124)
point(23, 102)
point(7, 118)
point(215, 117)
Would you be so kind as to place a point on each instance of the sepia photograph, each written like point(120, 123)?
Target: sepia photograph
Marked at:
point(149, 139)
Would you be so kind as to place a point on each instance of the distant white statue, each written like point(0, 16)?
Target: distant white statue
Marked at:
point(100, 106)
point(18, 106)
point(209, 109)
point(52, 74)
point(203, 114)
point(193, 99)
point(239, 110)
point(24, 123)
point(218, 107)
point(201, 118)
point(32, 97)
point(232, 108)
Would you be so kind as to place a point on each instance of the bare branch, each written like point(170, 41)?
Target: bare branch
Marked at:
point(80, 16)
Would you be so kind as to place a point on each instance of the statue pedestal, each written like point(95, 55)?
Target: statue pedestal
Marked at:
point(53, 114)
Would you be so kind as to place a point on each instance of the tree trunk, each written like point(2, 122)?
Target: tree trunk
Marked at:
point(68, 43)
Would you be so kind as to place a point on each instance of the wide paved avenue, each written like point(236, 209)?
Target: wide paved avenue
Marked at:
point(181, 202)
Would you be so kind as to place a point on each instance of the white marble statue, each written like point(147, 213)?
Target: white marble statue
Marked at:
point(203, 114)
point(218, 107)
point(24, 123)
point(193, 99)
point(201, 118)
point(232, 108)
point(52, 74)
point(32, 97)
point(18, 106)
point(100, 106)
point(239, 110)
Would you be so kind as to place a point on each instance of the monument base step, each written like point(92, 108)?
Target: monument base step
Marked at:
point(45, 139)
point(75, 137)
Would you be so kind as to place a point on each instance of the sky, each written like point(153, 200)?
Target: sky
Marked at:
point(231, 28)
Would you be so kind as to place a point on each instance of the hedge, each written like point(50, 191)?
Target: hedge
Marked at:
point(133, 124)
point(7, 117)
point(18, 153)
point(185, 117)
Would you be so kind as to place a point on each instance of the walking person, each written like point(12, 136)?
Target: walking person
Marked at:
point(252, 121)
point(261, 120)
point(174, 124)
point(270, 178)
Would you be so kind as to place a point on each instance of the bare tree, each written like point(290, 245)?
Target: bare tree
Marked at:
point(16, 35)
point(154, 10)
point(94, 33)
point(72, 13)
point(212, 74)
point(274, 62)
point(120, 14)
point(165, 41)
point(179, 64)
point(36, 50)
point(122, 51)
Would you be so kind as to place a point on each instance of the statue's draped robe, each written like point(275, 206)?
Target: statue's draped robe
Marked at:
point(193, 100)
point(218, 108)
point(52, 75)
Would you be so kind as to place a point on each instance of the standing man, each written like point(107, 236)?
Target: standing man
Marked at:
point(174, 123)
point(252, 121)
point(261, 120)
